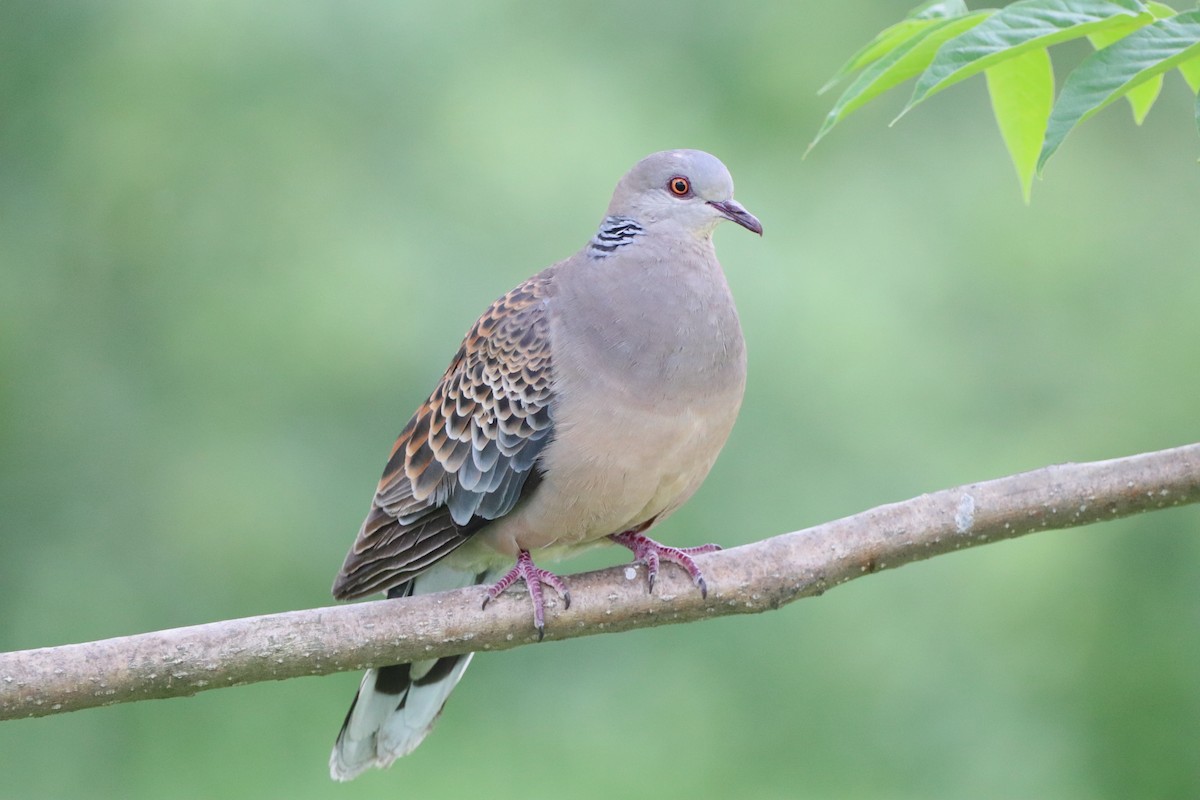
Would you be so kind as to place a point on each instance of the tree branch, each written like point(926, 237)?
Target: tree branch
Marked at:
point(743, 580)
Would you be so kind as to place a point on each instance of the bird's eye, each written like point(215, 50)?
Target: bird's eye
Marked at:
point(679, 186)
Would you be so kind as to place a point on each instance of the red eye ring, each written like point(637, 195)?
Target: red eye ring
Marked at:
point(680, 186)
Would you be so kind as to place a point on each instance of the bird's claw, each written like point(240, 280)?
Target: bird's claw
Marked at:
point(533, 576)
point(651, 553)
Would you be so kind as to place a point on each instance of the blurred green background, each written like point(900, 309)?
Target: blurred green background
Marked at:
point(240, 241)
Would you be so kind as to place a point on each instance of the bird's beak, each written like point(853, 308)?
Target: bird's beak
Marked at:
point(733, 210)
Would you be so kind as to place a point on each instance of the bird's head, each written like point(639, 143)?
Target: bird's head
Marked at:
point(688, 188)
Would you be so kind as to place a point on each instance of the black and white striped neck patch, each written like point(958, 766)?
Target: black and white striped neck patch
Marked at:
point(614, 232)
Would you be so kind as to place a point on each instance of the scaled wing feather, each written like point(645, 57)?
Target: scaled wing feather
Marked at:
point(467, 455)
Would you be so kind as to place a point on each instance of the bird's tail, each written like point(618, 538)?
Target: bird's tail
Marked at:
point(397, 706)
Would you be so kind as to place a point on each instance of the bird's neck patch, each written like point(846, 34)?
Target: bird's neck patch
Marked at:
point(615, 232)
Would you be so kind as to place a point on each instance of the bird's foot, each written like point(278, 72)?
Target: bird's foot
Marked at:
point(533, 576)
point(650, 553)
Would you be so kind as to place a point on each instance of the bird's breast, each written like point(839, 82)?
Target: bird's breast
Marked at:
point(614, 464)
point(637, 427)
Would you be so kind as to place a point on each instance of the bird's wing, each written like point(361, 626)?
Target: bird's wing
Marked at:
point(468, 454)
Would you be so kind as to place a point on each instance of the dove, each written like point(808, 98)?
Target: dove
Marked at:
point(583, 407)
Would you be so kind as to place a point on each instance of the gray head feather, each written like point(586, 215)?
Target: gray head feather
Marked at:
point(690, 189)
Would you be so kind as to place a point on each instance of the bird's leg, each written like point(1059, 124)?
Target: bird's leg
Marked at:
point(650, 552)
point(534, 577)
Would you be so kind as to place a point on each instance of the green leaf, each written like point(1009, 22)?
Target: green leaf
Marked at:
point(920, 18)
point(1142, 98)
point(1022, 92)
point(1160, 10)
point(1014, 29)
point(1109, 74)
point(881, 45)
point(1123, 26)
point(1191, 74)
point(935, 9)
point(902, 63)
